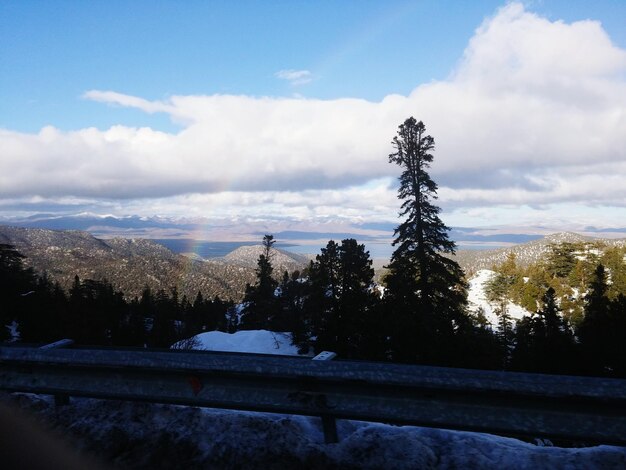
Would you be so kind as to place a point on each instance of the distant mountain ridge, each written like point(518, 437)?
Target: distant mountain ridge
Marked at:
point(129, 264)
point(132, 264)
point(248, 231)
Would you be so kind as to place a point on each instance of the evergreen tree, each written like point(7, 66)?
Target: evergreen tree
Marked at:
point(195, 316)
point(561, 259)
point(595, 328)
point(530, 287)
point(617, 340)
point(544, 341)
point(97, 312)
point(291, 293)
point(613, 259)
point(497, 291)
point(425, 289)
point(133, 331)
point(260, 302)
point(17, 286)
point(602, 332)
point(341, 302)
point(163, 332)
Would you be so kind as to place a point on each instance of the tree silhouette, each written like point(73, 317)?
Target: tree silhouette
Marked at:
point(425, 289)
point(289, 317)
point(17, 286)
point(340, 304)
point(260, 302)
point(544, 341)
point(602, 332)
point(497, 292)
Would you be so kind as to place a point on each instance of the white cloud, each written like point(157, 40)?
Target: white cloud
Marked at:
point(535, 113)
point(295, 77)
point(119, 99)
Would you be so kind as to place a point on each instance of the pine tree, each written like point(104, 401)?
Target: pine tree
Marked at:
point(163, 332)
point(561, 260)
point(425, 289)
point(544, 341)
point(341, 301)
point(291, 292)
point(595, 327)
point(617, 350)
point(613, 259)
point(17, 287)
point(260, 302)
point(497, 292)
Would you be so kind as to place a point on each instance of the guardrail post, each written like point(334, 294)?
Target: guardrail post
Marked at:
point(60, 399)
point(329, 424)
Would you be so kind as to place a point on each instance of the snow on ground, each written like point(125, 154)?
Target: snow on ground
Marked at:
point(152, 436)
point(477, 299)
point(245, 341)
point(142, 435)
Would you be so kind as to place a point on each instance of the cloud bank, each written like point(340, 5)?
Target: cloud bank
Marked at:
point(534, 113)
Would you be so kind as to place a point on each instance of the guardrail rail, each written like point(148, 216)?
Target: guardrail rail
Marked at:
point(583, 409)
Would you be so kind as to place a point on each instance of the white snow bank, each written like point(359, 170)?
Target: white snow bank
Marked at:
point(245, 341)
point(142, 435)
point(477, 299)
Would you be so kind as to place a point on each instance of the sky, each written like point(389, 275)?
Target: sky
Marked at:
point(283, 112)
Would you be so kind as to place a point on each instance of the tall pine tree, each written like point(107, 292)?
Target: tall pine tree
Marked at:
point(261, 303)
point(425, 289)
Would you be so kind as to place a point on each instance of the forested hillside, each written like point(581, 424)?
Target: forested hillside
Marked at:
point(129, 265)
point(527, 253)
point(578, 296)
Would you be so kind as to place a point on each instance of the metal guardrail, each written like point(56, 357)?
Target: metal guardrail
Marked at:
point(560, 407)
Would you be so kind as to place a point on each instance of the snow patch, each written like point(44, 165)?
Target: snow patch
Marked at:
point(152, 436)
point(245, 341)
point(477, 299)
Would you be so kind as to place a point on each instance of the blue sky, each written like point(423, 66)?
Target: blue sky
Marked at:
point(277, 110)
point(59, 50)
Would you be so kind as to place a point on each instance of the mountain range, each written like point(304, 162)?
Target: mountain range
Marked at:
point(131, 264)
point(373, 234)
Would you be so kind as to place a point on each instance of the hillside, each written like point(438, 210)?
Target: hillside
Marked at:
point(528, 253)
point(477, 300)
point(129, 264)
point(247, 256)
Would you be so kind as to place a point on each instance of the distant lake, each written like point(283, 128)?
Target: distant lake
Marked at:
point(204, 249)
